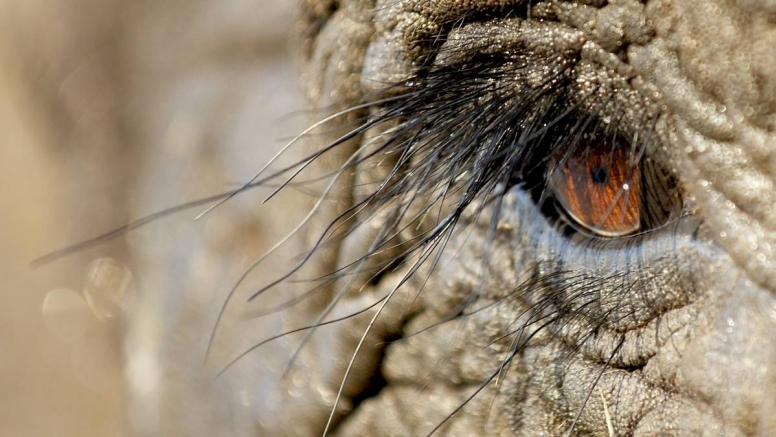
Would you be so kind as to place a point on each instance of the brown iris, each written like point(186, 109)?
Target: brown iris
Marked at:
point(599, 187)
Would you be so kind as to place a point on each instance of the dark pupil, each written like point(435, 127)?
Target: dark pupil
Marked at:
point(599, 175)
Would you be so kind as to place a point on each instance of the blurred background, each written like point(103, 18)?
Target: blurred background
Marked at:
point(109, 111)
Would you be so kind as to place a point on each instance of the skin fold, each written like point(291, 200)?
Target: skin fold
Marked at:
point(686, 348)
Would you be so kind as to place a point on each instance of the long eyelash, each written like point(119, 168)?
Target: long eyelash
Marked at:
point(443, 155)
point(461, 134)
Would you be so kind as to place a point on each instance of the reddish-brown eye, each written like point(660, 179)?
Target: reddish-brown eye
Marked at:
point(599, 188)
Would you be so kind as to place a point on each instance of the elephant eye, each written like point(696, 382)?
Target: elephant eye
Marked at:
point(597, 184)
point(601, 184)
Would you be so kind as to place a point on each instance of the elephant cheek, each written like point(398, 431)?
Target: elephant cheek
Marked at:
point(732, 365)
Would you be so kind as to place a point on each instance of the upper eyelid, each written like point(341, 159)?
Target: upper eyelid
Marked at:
point(514, 36)
point(514, 112)
point(473, 41)
point(520, 40)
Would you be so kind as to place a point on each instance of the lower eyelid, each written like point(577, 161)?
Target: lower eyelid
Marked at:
point(619, 284)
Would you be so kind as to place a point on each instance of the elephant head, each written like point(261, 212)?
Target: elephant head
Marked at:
point(473, 270)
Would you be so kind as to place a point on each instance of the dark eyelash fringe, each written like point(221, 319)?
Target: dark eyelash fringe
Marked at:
point(458, 138)
point(460, 135)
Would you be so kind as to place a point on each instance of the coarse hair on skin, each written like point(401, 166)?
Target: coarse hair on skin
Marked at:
point(451, 141)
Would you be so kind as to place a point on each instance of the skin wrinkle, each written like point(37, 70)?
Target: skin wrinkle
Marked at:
point(684, 317)
point(718, 187)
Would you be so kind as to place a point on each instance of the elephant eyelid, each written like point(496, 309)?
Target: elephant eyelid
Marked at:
point(457, 137)
point(603, 184)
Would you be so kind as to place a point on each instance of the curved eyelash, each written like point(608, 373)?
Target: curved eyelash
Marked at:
point(454, 140)
point(459, 134)
point(456, 134)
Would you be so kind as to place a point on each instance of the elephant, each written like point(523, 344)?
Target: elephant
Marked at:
point(506, 217)
point(461, 278)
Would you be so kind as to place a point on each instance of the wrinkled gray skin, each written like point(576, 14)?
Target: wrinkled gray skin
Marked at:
point(691, 345)
point(688, 350)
